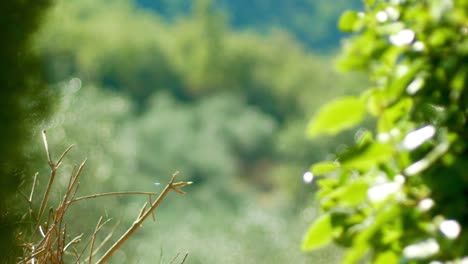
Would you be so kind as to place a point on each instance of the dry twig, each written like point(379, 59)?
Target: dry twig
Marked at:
point(51, 245)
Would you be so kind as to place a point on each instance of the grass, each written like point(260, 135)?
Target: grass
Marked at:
point(48, 240)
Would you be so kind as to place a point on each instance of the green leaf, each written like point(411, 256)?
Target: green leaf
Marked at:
point(440, 37)
point(393, 114)
point(348, 21)
point(363, 138)
point(324, 167)
point(355, 253)
point(458, 82)
point(386, 257)
point(369, 156)
point(350, 194)
point(403, 79)
point(320, 233)
point(337, 116)
point(326, 186)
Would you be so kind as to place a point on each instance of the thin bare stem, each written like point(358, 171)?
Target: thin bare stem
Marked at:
point(33, 260)
point(45, 198)
point(152, 213)
point(53, 172)
point(75, 240)
point(161, 256)
point(93, 237)
point(185, 257)
point(46, 146)
point(74, 180)
point(75, 251)
point(33, 255)
point(170, 186)
point(63, 155)
point(142, 210)
point(98, 248)
point(61, 238)
point(94, 240)
point(109, 194)
point(33, 187)
point(52, 246)
point(174, 258)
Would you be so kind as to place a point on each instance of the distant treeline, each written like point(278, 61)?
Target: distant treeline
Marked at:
point(311, 21)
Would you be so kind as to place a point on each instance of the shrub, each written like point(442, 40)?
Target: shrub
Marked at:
point(398, 195)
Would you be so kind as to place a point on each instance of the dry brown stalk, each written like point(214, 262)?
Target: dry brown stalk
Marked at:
point(143, 215)
point(48, 240)
point(109, 194)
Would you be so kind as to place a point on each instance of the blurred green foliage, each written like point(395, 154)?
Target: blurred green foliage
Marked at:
point(142, 96)
point(191, 58)
point(23, 103)
point(313, 22)
point(399, 194)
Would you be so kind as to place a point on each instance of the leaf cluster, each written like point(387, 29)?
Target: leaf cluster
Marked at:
point(398, 195)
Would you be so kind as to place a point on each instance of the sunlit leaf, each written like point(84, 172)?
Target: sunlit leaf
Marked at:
point(458, 82)
point(414, 53)
point(324, 167)
point(380, 193)
point(350, 194)
point(393, 114)
point(391, 232)
point(337, 116)
point(326, 186)
point(370, 156)
point(347, 21)
point(405, 73)
point(440, 37)
point(355, 253)
point(386, 257)
point(320, 233)
point(363, 137)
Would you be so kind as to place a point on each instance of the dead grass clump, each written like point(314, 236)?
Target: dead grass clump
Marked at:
point(48, 241)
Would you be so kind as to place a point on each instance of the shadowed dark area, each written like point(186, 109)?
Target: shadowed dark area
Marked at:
point(23, 101)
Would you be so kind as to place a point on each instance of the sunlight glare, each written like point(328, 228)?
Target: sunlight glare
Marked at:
point(415, 86)
point(381, 16)
point(402, 38)
point(425, 204)
point(417, 137)
point(422, 249)
point(418, 46)
point(400, 179)
point(392, 13)
point(450, 228)
point(74, 85)
point(308, 177)
point(380, 192)
point(416, 167)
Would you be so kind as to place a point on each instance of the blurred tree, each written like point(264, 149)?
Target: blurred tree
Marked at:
point(24, 101)
point(399, 195)
point(193, 95)
point(111, 44)
point(172, 136)
point(119, 47)
point(312, 22)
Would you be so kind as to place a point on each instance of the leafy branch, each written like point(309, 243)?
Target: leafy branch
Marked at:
point(399, 194)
